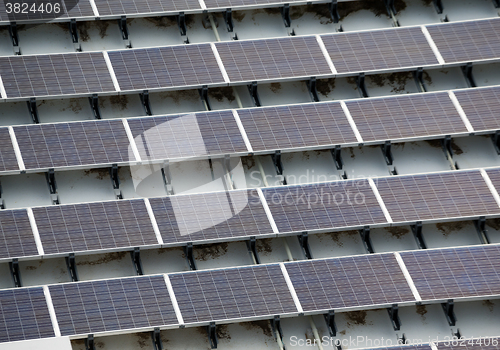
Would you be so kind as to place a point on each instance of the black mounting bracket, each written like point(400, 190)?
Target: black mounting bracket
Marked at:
point(417, 233)
point(360, 83)
point(188, 250)
point(277, 331)
point(285, 13)
point(167, 177)
point(212, 335)
point(496, 3)
point(394, 316)
point(402, 340)
point(89, 342)
point(71, 265)
point(122, 24)
point(334, 12)
point(181, 22)
point(94, 105)
point(73, 30)
point(252, 88)
point(156, 338)
point(446, 143)
point(469, 77)
point(337, 157)
point(14, 37)
point(136, 260)
point(389, 4)
point(311, 86)
point(144, 96)
point(438, 4)
point(418, 76)
point(386, 150)
point(365, 237)
point(330, 323)
point(115, 180)
point(2, 206)
point(228, 18)
point(496, 141)
point(457, 334)
point(15, 272)
point(51, 181)
point(449, 313)
point(204, 96)
point(304, 244)
point(32, 108)
point(481, 230)
point(252, 249)
point(278, 165)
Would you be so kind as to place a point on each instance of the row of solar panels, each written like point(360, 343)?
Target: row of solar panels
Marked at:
point(249, 293)
point(245, 61)
point(104, 9)
point(245, 131)
point(237, 215)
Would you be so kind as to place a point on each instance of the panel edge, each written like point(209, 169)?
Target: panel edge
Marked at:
point(433, 45)
point(408, 277)
point(291, 288)
point(52, 311)
point(17, 150)
point(267, 210)
point(380, 200)
point(173, 299)
point(34, 229)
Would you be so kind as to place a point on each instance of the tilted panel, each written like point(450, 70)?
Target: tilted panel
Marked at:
point(482, 107)
point(16, 237)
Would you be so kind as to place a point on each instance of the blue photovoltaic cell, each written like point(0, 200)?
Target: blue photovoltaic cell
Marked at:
point(128, 7)
point(16, 236)
point(8, 160)
point(111, 305)
point(494, 175)
point(24, 315)
point(455, 272)
point(481, 106)
point(348, 282)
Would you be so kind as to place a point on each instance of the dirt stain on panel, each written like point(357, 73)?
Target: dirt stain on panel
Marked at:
point(494, 224)
point(397, 81)
point(397, 231)
point(338, 237)
point(375, 6)
point(275, 87)
point(210, 251)
point(264, 246)
point(222, 93)
point(356, 318)
point(448, 227)
point(421, 310)
point(104, 259)
point(120, 101)
point(490, 305)
point(163, 22)
point(99, 173)
point(264, 326)
point(320, 11)
point(325, 86)
point(248, 162)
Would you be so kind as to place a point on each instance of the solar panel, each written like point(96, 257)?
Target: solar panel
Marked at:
point(406, 116)
point(455, 272)
point(25, 315)
point(128, 7)
point(66, 9)
point(494, 175)
point(16, 237)
point(482, 107)
point(379, 49)
point(164, 67)
point(467, 41)
point(110, 305)
point(436, 196)
point(92, 226)
point(72, 144)
point(216, 295)
point(291, 57)
point(188, 135)
point(209, 216)
point(323, 206)
point(482, 343)
point(307, 125)
point(248, 3)
point(348, 282)
point(8, 160)
point(58, 74)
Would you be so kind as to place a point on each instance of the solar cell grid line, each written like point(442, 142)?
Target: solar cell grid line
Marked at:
point(379, 50)
point(411, 198)
point(24, 315)
point(279, 58)
point(166, 67)
point(492, 178)
point(112, 305)
point(340, 283)
point(483, 343)
point(211, 216)
point(482, 107)
point(322, 206)
point(187, 136)
point(233, 293)
point(296, 126)
point(131, 7)
point(16, 237)
point(468, 40)
point(57, 74)
point(407, 116)
point(68, 9)
point(46, 146)
point(93, 226)
point(453, 273)
point(8, 159)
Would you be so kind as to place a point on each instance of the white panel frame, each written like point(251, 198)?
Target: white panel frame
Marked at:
point(220, 63)
point(351, 121)
point(490, 185)
point(291, 288)
point(380, 200)
point(111, 71)
point(173, 298)
point(52, 311)
point(267, 210)
point(242, 130)
point(433, 45)
point(460, 111)
point(131, 141)
point(326, 54)
point(17, 150)
point(407, 275)
point(36, 234)
point(2, 89)
point(153, 221)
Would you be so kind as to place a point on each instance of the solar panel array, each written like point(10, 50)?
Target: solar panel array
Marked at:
point(405, 117)
point(467, 41)
point(189, 135)
point(482, 107)
point(16, 237)
point(25, 315)
point(58, 74)
point(379, 50)
point(8, 160)
point(251, 60)
point(110, 305)
point(436, 196)
point(324, 206)
point(455, 272)
point(92, 226)
point(482, 343)
point(165, 67)
point(129, 7)
point(64, 9)
point(494, 175)
point(227, 294)
point(71, 144)
point(307, 125)
point(348, 282)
